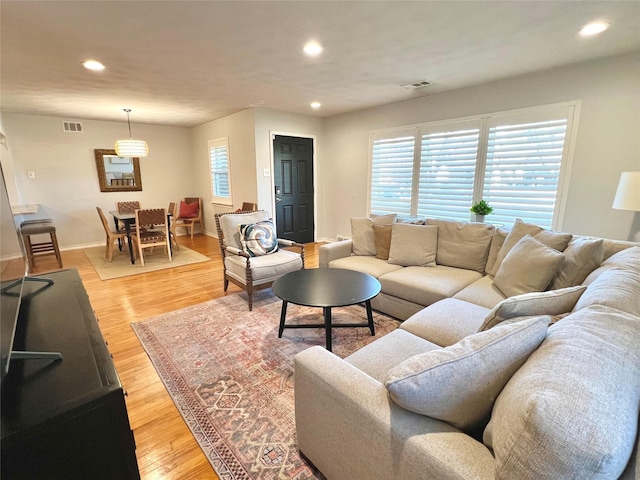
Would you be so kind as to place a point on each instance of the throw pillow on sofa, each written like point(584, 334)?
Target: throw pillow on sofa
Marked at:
point(571, 411)
point(413, 245)
point(458, 384)
point(463, 244)
point(556, 240)
point(582, 256)
point(528, 267)
point(552, 302)
point(382, 237)
point(518, 230)
point(362, 233)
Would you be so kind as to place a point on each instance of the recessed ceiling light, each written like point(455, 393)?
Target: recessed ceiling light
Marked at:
point(93, 65)
point(313, 48)
point(316, 105)
point(594, 28)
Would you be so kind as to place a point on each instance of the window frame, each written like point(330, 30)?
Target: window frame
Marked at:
point(569, 110)
point(216, 198)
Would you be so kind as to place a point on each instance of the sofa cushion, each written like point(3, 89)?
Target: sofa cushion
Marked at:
point(380, 356)
point(362, 232)
point(571, 411)
point(446, 322)
point(458, 384)
point(552, 302)
point(582, 256)
point(265, 268)
point(556, 240)
point(481, 292)
point(519, 230)
point(426, 285)
point(463, 244)
point(528, 267)
point(371, 265)
point(627, 258)
point(382, 238)
point(413, 245)
point(617, 288)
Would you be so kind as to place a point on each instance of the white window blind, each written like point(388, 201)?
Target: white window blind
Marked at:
point(522, 170)
point(392, 174)
point(447, 171)
point(514, 160)
point(220, 172)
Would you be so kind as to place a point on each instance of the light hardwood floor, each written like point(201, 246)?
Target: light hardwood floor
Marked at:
point(166, 448)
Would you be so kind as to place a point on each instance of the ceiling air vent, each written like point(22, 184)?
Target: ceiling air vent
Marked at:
point(414, 85)
point(72, 127)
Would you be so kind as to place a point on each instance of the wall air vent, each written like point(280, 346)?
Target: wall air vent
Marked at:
point(72, 127)
point(414, 85)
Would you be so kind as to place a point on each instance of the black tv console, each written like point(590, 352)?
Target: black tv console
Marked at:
point(63, 418)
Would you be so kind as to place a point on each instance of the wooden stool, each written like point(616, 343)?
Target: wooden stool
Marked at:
point(31, 227)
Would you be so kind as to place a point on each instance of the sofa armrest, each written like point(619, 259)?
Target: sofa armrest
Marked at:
point(348, 427)
point(333, 251)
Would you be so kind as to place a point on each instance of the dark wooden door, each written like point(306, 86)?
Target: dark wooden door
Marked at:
point(293, 179)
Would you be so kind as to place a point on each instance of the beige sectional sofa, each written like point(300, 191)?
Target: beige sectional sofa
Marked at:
point(518, 358)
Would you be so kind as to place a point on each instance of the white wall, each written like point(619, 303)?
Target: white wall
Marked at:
point(608, 140)
point(66, 180)
point(239, 129)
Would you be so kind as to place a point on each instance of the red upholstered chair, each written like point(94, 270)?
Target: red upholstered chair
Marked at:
point(189, 213)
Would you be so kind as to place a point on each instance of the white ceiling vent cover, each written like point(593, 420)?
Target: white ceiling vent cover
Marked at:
point(72, 127)
point(414, 85)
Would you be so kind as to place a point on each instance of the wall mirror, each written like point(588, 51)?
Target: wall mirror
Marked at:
point(117, 174)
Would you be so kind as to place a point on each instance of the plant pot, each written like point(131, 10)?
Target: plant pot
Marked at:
point(480, 218)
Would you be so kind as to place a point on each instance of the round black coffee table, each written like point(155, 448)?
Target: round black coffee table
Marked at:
point(326, 288)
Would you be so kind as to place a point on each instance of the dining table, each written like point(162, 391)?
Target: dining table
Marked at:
point(129, 219)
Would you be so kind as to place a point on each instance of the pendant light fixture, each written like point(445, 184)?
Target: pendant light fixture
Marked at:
point(130, 147)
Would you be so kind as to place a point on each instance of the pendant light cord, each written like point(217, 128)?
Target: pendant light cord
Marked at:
point(128, 111)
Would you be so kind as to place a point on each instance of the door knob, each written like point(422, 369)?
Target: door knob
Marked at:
point(278, 199)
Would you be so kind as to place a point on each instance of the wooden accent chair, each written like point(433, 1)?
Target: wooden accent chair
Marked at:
point(127, 207)
point(249, 272)
point(249, 207)
point(112, 236)
point(173, 211)
point(189, 222)
point(151, 230)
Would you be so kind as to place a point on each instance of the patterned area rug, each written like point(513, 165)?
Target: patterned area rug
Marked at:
point(231, 377)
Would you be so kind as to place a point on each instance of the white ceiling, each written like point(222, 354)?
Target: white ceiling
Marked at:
point(185, 63)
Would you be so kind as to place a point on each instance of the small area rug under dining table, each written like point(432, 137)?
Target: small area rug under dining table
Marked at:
point(121, 266)
point(231, 377)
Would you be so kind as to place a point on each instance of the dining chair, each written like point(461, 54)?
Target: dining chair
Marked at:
point(190, 213)
point(151, 231)
point(254, 268)
point(173, 212)
point(112, 236)
point(127, 207)
point(249, 207)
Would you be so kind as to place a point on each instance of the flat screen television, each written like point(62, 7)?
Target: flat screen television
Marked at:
point(13, 275)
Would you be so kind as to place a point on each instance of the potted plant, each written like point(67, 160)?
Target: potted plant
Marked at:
point(481, 209)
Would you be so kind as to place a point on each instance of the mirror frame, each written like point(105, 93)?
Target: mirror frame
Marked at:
point(102, 175)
